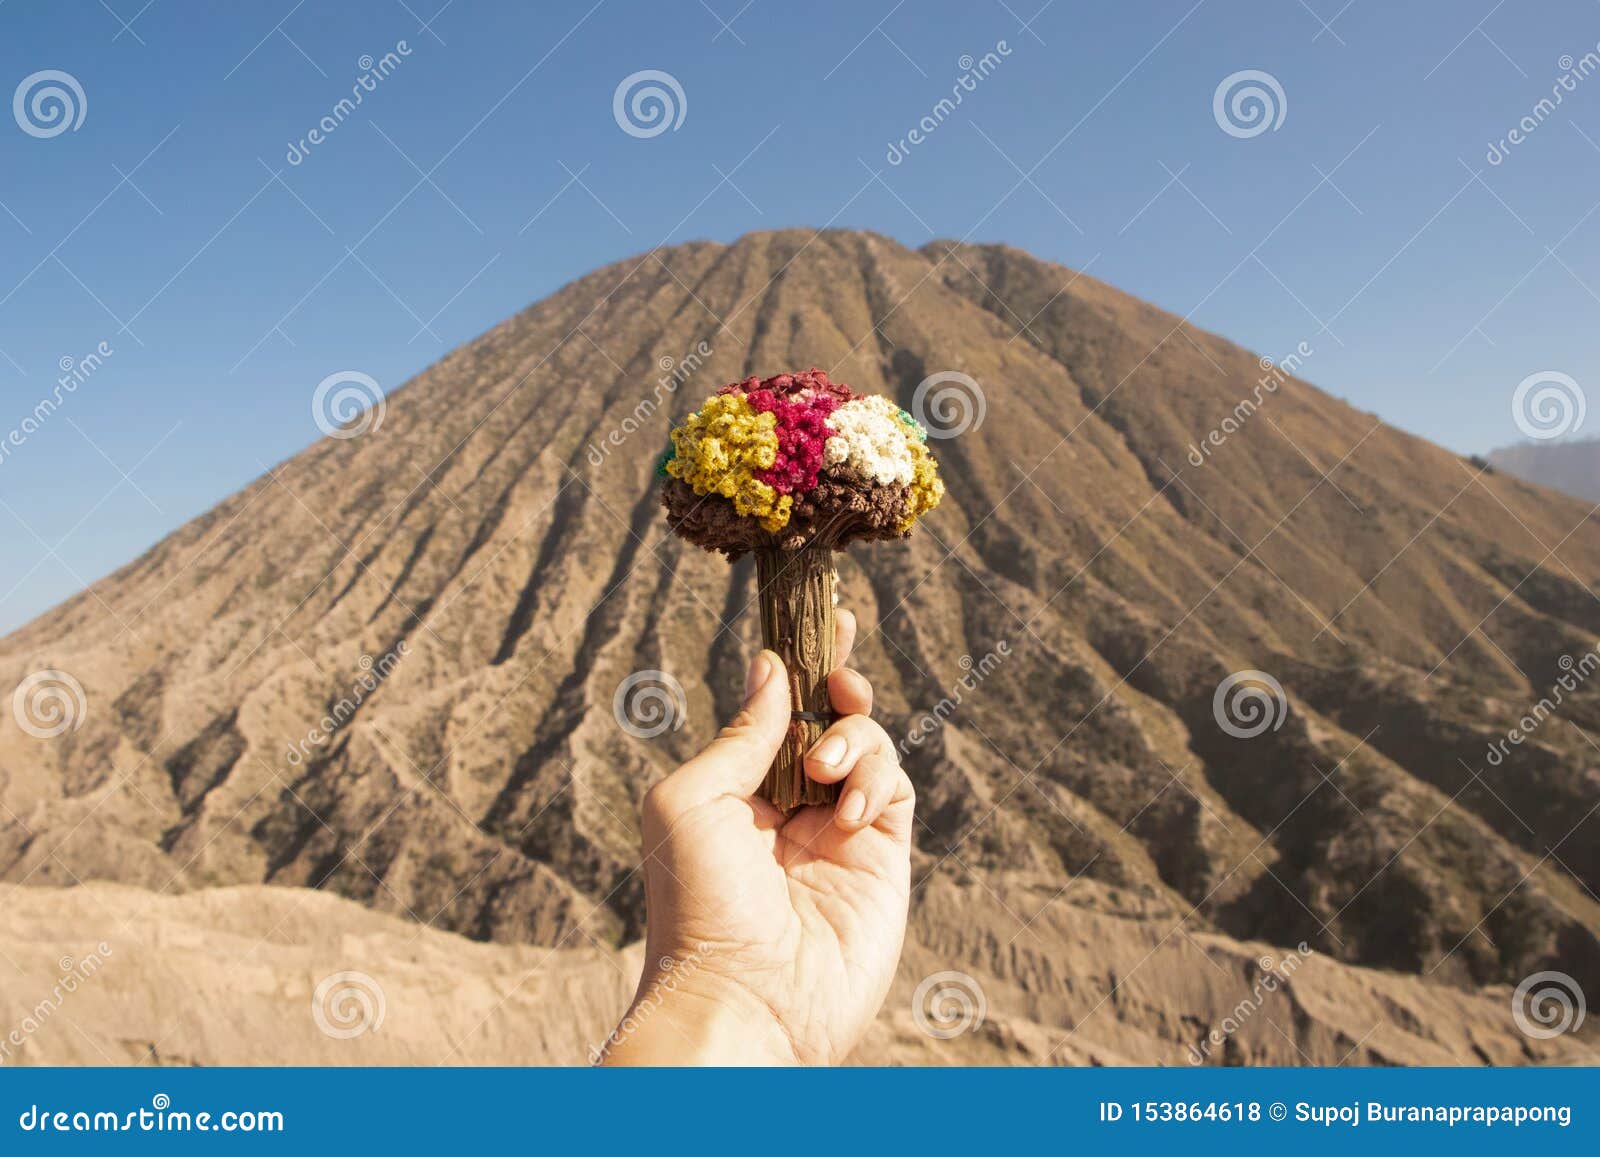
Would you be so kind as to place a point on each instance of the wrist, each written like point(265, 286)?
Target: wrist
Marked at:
point(696, 1020)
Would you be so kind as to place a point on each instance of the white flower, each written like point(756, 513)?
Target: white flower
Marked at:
point(870, 440)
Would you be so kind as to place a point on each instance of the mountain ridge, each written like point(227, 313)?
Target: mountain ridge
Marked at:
point(1409, 605)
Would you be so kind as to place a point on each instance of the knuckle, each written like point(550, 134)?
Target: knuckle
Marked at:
point(739, 726)
point(880, 741)
point(660, 803)
point(858, 683)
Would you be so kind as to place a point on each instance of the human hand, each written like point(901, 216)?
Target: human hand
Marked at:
point(772, 939)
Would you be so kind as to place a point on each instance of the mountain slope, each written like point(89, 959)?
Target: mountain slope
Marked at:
point(500, 528)
point(232, 976)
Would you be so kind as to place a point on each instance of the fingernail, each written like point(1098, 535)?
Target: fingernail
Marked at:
point(756, 678)
point(853, 806)
point(830, 751)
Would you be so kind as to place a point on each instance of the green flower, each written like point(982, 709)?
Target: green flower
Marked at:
point(922, 435)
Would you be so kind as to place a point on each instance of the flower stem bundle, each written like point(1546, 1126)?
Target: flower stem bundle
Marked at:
point(793, 468)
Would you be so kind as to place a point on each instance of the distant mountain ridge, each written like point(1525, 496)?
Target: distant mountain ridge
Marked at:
point(1570, 466)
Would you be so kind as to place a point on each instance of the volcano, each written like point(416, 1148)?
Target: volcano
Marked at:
point(1196, 668)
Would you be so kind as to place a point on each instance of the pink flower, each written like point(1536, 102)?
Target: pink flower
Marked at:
point(801, 403)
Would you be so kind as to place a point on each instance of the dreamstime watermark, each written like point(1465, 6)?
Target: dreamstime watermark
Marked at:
point(1547, 1004)
point(948, 404)
point(348, 404)
point(373, 674)
point(649, 703)
point(1274, 975)
point(1248, 103)
point(1273, 375)
point(671, 971)
point(1548, 404)
point(74, 373)
point(160, 1117)
point(49, 103)
point(49, 703)
point(348, 1004)
point(1572, 71)
point(973, 73)
point(976, 672)
point(674, 373)
point(1576, 672)
point(649, 102)
point(947, 1004)
point(1249, 703)
point(373, 72)
point(74, 973)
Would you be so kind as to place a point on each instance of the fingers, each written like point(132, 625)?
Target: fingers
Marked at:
point(859, 752)
point(897, 815)
point(844, 635)
point(849, 693)
point(836, 752)
point(875, 783)
point(736, 761)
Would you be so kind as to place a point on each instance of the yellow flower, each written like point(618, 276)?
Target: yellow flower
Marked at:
point(926, 488)
point(719, 450)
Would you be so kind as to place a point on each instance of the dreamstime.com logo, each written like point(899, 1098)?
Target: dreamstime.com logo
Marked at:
point(948, 404)
point(160, 1117)
point(74, 973)
point(1547, 1004)
point(1572, 72)
point(1273, 375)
point(74, 373)
point(649, 102)
point(674, 373)
point(975, 671)
point(49, 703)
point(973, 73)
point(947, 1004)
point(1272, 975)
point(374, 673)
point(1249, 703)
point(649, 703)
point(347, 404)
point(1548, 404)
point(49, 103)
point(1574, 673)
point(1248, 103)
point(373, 72)
point(348, 1004)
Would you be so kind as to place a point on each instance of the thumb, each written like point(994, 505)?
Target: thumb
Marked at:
point(736, 761)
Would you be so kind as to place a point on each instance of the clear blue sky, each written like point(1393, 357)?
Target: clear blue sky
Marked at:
point(159, 227)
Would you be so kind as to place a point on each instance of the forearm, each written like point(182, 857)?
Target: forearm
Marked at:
point(702, 1024)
